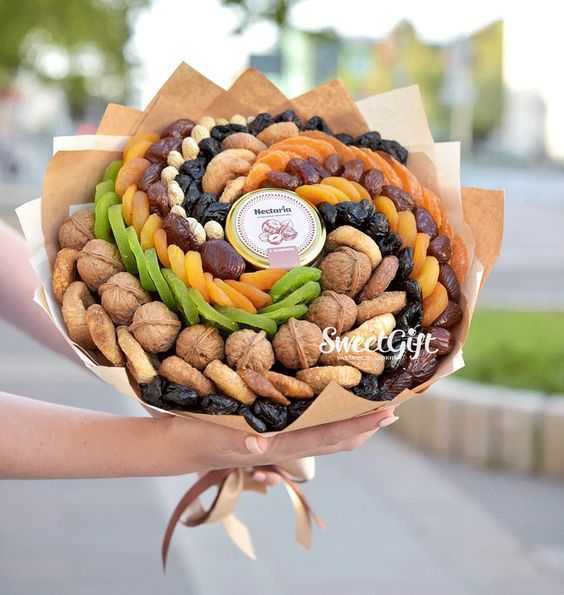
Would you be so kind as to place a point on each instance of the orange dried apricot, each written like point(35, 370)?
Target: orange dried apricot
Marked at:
point(407, 228)
point(420, 246)
point(344, 186)
point(264, 279)
point(317, 193)
point(238, 299)
point(258, 298)
point(408, 182)
point(161, 246)
point(140, 212)
point(217, 295)
point(176, 259)
point(322, 147)
point(432, 203)
point(386, 206)
point(344, 152)
point(256, 176)
point(301, 151)
point(137, 150)
point(434, 304)
point(385, 167)
point(428, 276)
point(130, 173)
point(127, 203)
point(194, 272)
point(361, 190)
point(146, 237)
point(459, 258)
point(363, 156)
point(276, 160)
point(141, 135)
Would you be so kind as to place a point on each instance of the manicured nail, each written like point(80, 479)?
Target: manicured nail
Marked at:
point(259, 476)
point(388, 421)
point(256, 445)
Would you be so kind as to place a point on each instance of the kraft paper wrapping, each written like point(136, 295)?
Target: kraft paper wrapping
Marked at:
point(71, 176)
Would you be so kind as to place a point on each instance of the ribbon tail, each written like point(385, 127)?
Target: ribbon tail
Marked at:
point(239, 535)
point(303, 522)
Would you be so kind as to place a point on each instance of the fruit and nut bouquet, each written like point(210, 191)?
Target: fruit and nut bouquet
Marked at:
point(248, 265)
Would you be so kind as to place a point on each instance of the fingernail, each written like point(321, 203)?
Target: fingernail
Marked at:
point(256, 445)
point(259, 476)
point(388, 421)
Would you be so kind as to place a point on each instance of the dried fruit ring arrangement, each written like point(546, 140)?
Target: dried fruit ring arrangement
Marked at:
point(151, 281)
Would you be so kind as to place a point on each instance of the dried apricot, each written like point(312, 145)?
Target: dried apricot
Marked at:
point(127, 203)
point(264, 279)
point(238, 299)
point(386, 206)
point(408, 182)
point(276, 160)
point(194, 271)
point(146, 237)
point(161, 246)
point(137, 150)
point(217, 295)
point(419, 252)
point(407, 228)
point(140, 212)
point(434, 304)
point(176, 258)
point(432, 203)
point(344, 186)
point(256, 176)
point(428, 276)
point(323, 147)
point(130, 173)
point(294, 150)
point(363, 156)
point(361, 190)
point(317, 193)
point(344, 152)
point(138, 136)
point(459, 258)
point(258, 298)
point(392, 179)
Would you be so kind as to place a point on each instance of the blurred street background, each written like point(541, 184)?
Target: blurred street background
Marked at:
point(399, 520)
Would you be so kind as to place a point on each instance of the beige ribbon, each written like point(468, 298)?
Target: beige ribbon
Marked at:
point(231, 483)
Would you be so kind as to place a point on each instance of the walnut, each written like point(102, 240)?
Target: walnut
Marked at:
point(296, 344)
point(155, 327)
point(335, 310)
point(77, 230)
point(345, 271)
point(97, 262)
point(249, 349)
point(198, 345)
point(121, 295)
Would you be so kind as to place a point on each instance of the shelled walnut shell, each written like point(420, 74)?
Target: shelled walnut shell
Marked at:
point(155, 327)
point(198, 345)
point(296, 344)
point(97, 262)
point(77, 230)
point(121, 295)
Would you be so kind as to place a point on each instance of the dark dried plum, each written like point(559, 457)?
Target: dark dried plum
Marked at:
point(422, 366)
point(178, 232)
point(394, 149)
point(274, 414)
point(318, 123)
point(369, 140)
point(373, 180)
point(217, 211)
point(151, 176)
point(396, 358)
point(440, 248)
point(191, 196)
point(255, 422)
point(425, 222)
point(395, 383)
point(219, 405)
point(450, 316)
point(399, 197)
point(448, 278)
point(209, 148)
point(368, 206)
point(441, 339)
point(195, 168)
point(179, 128)
point(333, 164)
point(184, 182)
point(262, 121)
point(329, 215)
point(350, 213)
point(405, 258)
point(304, 170)
point(376, 226)
point(159, 151)
point(202, 204)
point(367, 388)
point(224, 130)
point(412, 290)
point(389, 243)
point(157, 194)
point(152, 393)
point(296, 408)
point(323, 173)
point(221, 260)
point(353, 170)
point(410, 317)
point(345, 138)
point(280, 179)
point(289, 115)
point(180, 396)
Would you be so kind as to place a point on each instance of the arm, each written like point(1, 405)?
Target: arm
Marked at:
point(42, 440)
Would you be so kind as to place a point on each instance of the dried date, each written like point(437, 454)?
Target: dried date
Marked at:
point(159, 151)
point(179, 128)
point(221, 260)
point(400, 198)
point(422, 366)
point(425, 222)
point(323, 173)
point(333, 165)
point(303, 170)
point(441, 340)
point(450, 316)
point(373, 180)
point(448, 278)
point(178, 232)
point(281, 179)
point(353, 170)
point(157, 194)
point(151, 176)
point(395, 383)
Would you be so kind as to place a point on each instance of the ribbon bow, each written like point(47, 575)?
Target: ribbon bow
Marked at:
point(231, 483)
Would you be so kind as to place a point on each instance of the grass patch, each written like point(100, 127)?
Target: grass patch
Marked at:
point(516, 349)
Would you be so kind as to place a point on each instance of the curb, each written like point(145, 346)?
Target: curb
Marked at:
point(487, 426)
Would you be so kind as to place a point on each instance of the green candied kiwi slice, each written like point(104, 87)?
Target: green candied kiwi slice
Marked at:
point(102, 229)
point(163, 289)
point(292, 280)
point(146, 281)
point(281, 316)
point(182, 296)
point(103, 187)
point(210, 314)
point(112, 170)
point(117, 224)
point(256, 321)
point(303, 295)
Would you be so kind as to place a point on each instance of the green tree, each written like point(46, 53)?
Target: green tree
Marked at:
point(80, 45)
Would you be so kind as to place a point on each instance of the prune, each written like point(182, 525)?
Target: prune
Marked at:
point(209, 148)
point(184, 182)
point(353, 170)
point(180, 396)
point(280, 179)
point(333, 164)
point(178, 232)
point(152, 174)
point(219, 405)
point(396, 358)
point(448, 278)
point(221, 260)
point(350, 213)
point(347, 139)
point(368, 206)
point(224, 130)
point(318, 123)
point(152, 393)
point(440, 248)
point(323, 173)
point(425, 222)
point(376, 225)
point(329, 215)
point(390, 243)
point(410, 317)
point(394, 149)
point(423, 366)
point(394, 383)
point(262, 121)
point(157, 194)
point(202, 204)
point(303, 170)
point(159, 151)
point(368, 140)
point(367, 388)
point(217, 211)
point(274, 414)
point(195, 168)
point(400, 198)
point(255, 422)
point(296, 408)
point(451, 315)
point(405, 258)
point(412, 290)
point(179, 128)
point(373, 180)
point(289, 115)
point(441, 339)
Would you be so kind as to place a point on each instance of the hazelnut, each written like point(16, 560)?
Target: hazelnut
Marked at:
point(77, 230)
point(296, 344)
point(345, 271)
point(121, 295)
point(97, 262)
point(155, 327)
point(198, 345)
point(335, 310)
point(248, 349)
